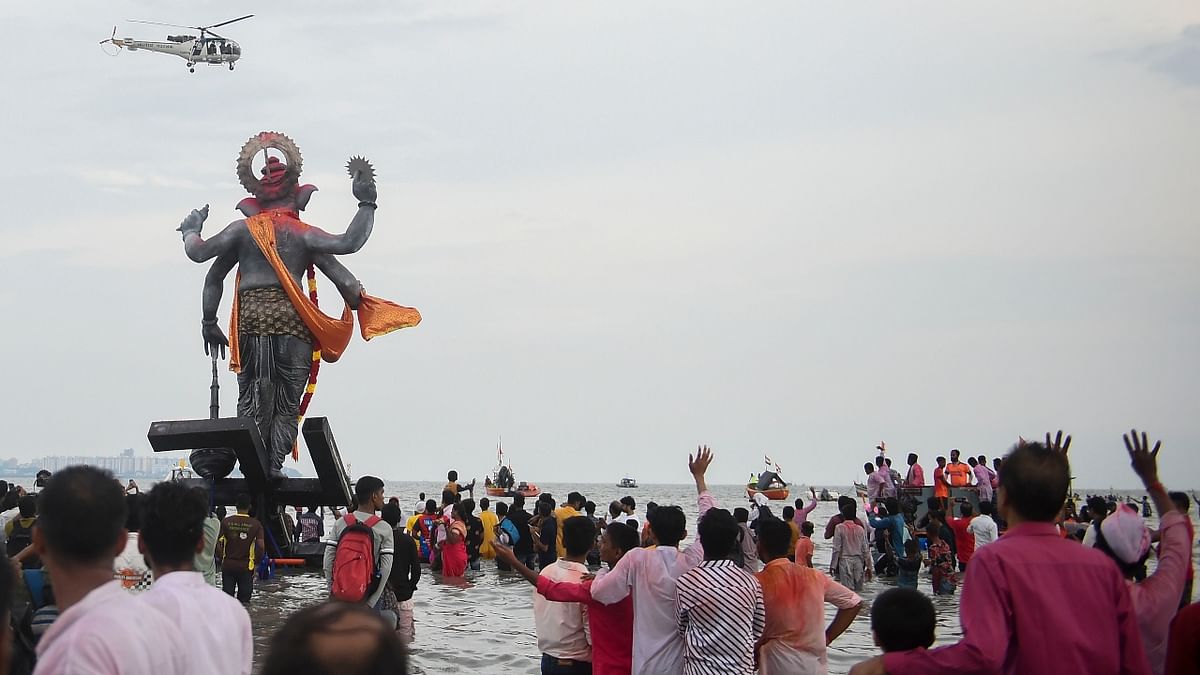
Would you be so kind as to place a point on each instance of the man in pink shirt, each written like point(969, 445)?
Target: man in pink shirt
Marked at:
point(102, 628)
point(802, 511)
point(1016, 618)
point(916, 475)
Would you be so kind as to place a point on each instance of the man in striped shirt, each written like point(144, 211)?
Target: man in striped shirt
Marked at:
point(720, 605)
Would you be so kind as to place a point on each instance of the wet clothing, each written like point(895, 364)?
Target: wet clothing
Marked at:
point(850, 554)
point(406, 566)
point(941, 563)
point(310, 527)
point(524, 546)
point(489, 521)
point(240, 543)
point(454, 556)
point(909, 569)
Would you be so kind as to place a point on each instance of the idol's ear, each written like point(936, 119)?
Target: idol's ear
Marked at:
point(303, 194)
point(249, 207)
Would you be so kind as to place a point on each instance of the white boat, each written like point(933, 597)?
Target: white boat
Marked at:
point(627, 483)
point(180, 472)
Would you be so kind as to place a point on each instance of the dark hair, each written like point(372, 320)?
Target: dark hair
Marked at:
point(912, 458)
point(667, 523)
point(869, 467)
point(774, 535)
point(903, 619)
point(892, 504)
point(366, 487)
point(888, 461)
point(220, 512)
point(484, 503)
point(848, 510)
point(911, 546)
point(242, 503)
point(741, 515)
point(11, 498)
point(1097, 507)
point(575, 498)
point(788, 513)
point(391, 514)
point(579, 535)
point(133, 514)
point(985, 508)
point(452, 475)
point(880, 461)
point(614, 509)
point(623, 536)
point(172, 519)
point(501, 509)
point(843, 499)
point(83, 511)
point(589, 507)
point(650, 506)
point(972, 461)
point(965, 509)
point(1035, 481)
point(940, 459)
point(983, 459)
point(431, 506)
point(807, 528)
point(628, 501)
point(718, 534)
point(544, 508)
point(1181, 501)
point(27, 506)
point(465, 508)
point(518, 501)
point(291, 648)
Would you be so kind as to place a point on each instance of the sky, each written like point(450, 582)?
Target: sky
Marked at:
point(786, 228)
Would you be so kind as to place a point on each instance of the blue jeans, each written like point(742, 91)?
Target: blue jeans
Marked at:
point(552, 665)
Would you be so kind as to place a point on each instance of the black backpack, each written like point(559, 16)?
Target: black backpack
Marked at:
point(21, 537)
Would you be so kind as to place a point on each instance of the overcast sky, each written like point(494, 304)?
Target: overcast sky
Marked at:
point(793, 228)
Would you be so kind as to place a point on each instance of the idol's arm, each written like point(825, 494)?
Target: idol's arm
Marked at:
point(347, 284)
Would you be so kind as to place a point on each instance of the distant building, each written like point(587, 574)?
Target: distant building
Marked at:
point(125, 465)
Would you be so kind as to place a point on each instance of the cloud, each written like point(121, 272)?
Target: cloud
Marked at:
point(1178, 59)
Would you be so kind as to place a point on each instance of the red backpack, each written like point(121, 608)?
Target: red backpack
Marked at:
point(355, 568)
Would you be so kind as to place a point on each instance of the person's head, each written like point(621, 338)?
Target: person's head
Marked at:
point(391, 514)
point(82, 518)
point(335, 638)
point(501, 510)
point(1181, 502)
point(1124, 538)
point(911, 548)
point(912, 458)
point(617, 540)
point(27, 506)
point(484, 504)
point(849, 510)
point(466, 507)
point(892, 504)
point(799, 504)
point(615, 509)
point(589, 507)
point(242, 503)
point(972, 462)
point(934, 531)
point(447, 497)
point(902, 619)
point(741, 514)
point(888, 462)
point(880, 461)
point(576, 500)
point(843, 500)
point(431, 506)
point(629, 504)
point(983, 460)
point(667, 524)
point(996, 462)
point(421, 496)
point(789, 513)
point(544, 508)
point(985, 509)
point(368, 492)
point(718, 534)
point(954, 455)
point(172, 525)
point(220, 512)
point(518, 502)
point(965, 510)
point(11, 498)
point(1097, 508)
point(868, 468)
point(452, 476)
point(579, 534)
point(941, 461)
point(774, 539)
point(807, 528)
point(1033, 485)
point(394, 500)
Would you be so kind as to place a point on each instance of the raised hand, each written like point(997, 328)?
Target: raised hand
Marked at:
point(1141, 457)
point(699, 464)
point(364, 187)
point(1058, 443)
point(194, 222)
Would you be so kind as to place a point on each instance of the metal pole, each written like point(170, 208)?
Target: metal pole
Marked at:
point(214, 391)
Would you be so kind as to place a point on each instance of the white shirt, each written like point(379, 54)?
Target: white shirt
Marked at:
point(216, 626)
point(130, 567)
point(650, 575)
point(562, 627)
point(984, 529)
point(621, 518)
point(111, 631)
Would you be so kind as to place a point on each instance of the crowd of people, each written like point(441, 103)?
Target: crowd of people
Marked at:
point(158, 581)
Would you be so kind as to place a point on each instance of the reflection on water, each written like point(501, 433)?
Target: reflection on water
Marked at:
point(485, 624)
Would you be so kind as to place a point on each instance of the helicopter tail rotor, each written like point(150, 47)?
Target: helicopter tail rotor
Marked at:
point(112, 40)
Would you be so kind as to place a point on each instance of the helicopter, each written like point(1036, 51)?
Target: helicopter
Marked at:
point(208, 48)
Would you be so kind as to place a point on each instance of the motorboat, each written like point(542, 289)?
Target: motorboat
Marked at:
point(627, 483)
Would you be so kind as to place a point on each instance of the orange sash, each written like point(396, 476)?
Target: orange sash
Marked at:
point(376, 316)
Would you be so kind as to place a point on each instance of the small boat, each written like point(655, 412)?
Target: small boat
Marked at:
point(502, 482)
point(627, 483)
point(827, 495)
point(860, 489)
point(181, 472)
point(775, 494)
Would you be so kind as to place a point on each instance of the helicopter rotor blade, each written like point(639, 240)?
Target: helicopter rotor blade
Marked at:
point(159, 23)
point(225, 23)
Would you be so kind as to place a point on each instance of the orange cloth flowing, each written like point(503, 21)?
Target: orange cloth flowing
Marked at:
point(376, 316)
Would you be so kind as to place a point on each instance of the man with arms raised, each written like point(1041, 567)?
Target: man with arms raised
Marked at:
point(102, 628)
point(216, 625)
point(1016, 619)
point(650, 576)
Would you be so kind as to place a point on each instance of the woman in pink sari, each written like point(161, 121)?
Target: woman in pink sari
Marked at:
point(454, 549)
